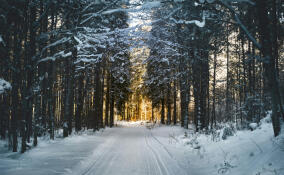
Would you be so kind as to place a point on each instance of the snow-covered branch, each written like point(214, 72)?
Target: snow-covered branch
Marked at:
point(196, 22)
point(145, 6)
point(4, 86)
point(56, 43)
point(61, 54)
point(1, 40)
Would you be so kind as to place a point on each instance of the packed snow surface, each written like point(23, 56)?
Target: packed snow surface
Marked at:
point(140, 148)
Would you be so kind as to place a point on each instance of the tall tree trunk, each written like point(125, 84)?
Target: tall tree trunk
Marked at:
point(67, 99)
point(269, 64)
point(175, 104)
point(80, 103)
point(101, 122)
point(169, 109)
point(152, 110)
point(213, 116)
point(227, 107)
point(107, 102)
point(97, 96)
point(163, 111)
point(184, 92)
point(112, 98)
point(71, 107)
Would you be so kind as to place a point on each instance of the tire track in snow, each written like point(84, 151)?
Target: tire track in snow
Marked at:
point(161, 165)
point(148, 168)
point(151, 157)
point(103, 151)
point(109, 159)
point(162, 145)
point(167, 151)
point(94, 163)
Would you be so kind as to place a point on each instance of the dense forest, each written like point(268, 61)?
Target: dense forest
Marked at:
point(78, 64)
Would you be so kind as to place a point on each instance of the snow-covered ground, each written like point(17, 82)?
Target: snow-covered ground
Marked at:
point(138, 148)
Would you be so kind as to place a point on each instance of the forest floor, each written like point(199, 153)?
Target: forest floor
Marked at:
point(139, 148)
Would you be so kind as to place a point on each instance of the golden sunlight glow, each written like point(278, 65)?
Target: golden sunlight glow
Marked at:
point(138, 106)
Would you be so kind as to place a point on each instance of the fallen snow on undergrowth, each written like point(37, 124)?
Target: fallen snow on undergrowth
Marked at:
point(247, 152)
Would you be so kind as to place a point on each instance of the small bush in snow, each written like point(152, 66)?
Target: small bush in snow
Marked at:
point(227, 131)
point(215, 135)
point(185, 134)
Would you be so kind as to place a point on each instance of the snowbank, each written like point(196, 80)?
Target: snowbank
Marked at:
point(247, 152)
point(50, 157)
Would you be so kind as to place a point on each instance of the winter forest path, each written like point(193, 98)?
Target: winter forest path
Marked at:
point(125, 149)
point(131, 150)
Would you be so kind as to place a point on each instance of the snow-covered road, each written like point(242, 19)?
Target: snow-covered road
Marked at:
point(131, 150)
point(134, 149)
point(126, 149)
